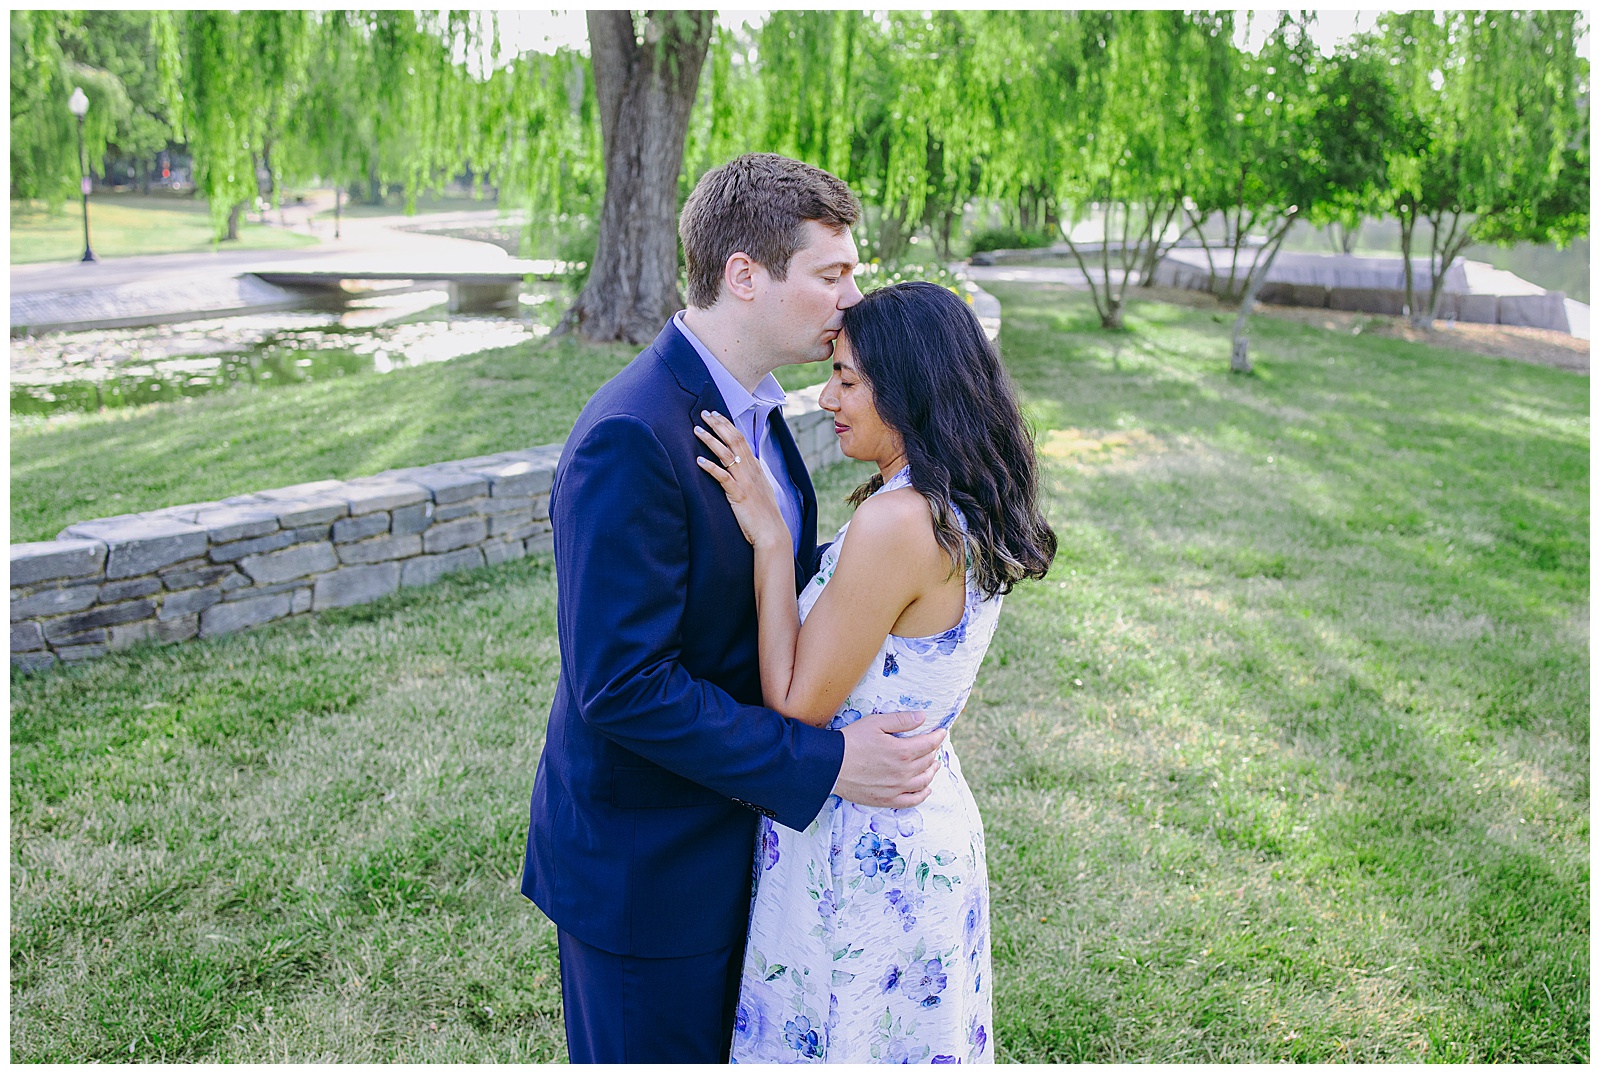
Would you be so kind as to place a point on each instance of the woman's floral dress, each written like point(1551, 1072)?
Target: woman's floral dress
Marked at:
point(869, 931)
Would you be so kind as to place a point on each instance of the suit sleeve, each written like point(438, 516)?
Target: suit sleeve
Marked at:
point(621, 540)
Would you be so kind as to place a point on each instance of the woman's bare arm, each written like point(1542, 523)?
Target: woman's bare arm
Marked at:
point(888, 560)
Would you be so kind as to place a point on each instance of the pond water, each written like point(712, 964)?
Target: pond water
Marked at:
point(64, 372)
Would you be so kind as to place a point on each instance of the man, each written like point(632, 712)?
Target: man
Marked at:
point(659, 756)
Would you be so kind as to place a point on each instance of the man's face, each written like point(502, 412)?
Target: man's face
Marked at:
point(801, 314)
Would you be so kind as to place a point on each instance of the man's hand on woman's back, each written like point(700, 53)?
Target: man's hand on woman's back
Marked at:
point(880, 769)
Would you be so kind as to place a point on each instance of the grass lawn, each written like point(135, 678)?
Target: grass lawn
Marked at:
point(1287, 759)
point(125, 225)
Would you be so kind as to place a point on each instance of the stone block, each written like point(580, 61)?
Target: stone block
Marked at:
point(178, 629)
point(131, 634)
point(297, 562)
point(259, 590)
point(541, 504)
point(188, 602)
point(300, 600)
point(143, 544)
point(425, 570)
point(518, 478)
point(445, 485)
point(46, 561)
point(305, 490)
point(449, 536)
point(355, 585)
point(103, 616)
point(1478, 309)
point(26, 637)
point(312, 533)
point(54, 601)
point(1311, 295)
point(31, 662)
point(503, 551)
point(1367, 300)
point(209, 574)
point(543, 544)
point(237, 550)
point(502, 524)
point(354, 529)
point(73, 654)
point(460, 510)
point(239, 615)
point(379, 549)
point(234, 581)
point(313, 510)
point(131, 589)
point(531, 529)
point(186, 512)
point(97, 636)
point(413, 519)
point(224, 523)
point(365, 495)
point(1548, 310)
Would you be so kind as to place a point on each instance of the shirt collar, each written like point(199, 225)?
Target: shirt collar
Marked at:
point(768, 394)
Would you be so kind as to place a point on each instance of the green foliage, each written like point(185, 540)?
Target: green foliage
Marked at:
point(1499, 103)
point(1011, 238)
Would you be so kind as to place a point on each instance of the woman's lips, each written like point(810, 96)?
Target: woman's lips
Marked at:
point(840, 430)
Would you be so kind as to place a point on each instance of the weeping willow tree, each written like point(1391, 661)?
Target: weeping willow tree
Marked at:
point(44, 146)
point(1501, 98)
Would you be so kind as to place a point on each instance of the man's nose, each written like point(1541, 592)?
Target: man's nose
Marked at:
point(849, 296)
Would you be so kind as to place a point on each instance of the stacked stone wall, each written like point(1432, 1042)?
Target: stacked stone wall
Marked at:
point(205, 569)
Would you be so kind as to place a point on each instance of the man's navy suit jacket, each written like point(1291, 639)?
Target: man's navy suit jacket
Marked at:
point(659, 755)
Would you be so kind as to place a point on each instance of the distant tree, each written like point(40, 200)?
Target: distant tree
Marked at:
point(44, 143)
point(239, 73)
point(126, 44)
point(1360, 126)
point(1264, 171)
point(1145, 81)
point(1500, 100)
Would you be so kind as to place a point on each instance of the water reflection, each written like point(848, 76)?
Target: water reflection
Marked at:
point(119, 367)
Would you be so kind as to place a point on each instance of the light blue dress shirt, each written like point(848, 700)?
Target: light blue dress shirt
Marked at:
point(750, 412)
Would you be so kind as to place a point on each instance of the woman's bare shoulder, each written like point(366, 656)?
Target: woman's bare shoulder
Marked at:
point(897, 523)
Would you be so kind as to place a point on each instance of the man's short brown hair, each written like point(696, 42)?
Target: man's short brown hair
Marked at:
point(756, 203)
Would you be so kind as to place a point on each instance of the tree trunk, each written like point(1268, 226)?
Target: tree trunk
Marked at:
point(1408, 223)
point(233, 220)
point(1239, 362)
point(645, 91)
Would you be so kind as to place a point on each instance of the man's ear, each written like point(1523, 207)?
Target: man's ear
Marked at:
point(739, 276)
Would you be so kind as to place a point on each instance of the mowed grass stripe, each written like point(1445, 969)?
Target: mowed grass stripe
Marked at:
point(1263, 778)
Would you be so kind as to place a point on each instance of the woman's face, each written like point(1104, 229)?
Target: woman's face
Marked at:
point(862, 433)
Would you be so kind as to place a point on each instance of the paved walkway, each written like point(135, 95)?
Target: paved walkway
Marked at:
point(156, 288)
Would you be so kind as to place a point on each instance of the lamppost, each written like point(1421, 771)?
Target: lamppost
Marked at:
point(79, 106)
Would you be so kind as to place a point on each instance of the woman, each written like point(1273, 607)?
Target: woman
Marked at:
point(869, 932)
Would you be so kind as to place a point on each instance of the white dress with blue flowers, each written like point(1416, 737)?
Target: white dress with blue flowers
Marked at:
point(869, 931)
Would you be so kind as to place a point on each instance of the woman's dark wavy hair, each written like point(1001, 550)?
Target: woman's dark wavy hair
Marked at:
point(938, 382)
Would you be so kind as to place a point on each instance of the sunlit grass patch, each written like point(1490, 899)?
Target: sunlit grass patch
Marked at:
point(127, 227)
